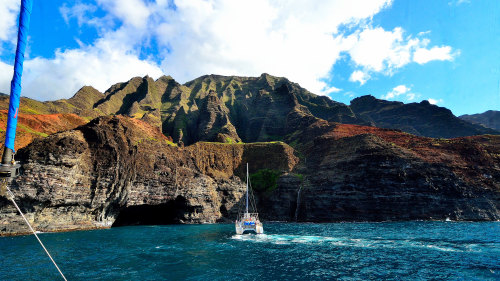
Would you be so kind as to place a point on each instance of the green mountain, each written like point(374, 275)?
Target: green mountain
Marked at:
point(82, 103)
point(209, 108)
point(248, 109)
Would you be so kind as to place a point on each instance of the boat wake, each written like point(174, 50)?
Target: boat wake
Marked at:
point(354, 242)
point(282, 239)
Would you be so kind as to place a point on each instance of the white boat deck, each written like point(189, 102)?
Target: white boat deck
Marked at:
point(249, 223)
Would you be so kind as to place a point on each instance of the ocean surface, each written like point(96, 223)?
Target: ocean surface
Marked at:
point(288, 251)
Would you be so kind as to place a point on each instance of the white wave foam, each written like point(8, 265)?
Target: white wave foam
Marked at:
point(283, 239)
point(344, 242)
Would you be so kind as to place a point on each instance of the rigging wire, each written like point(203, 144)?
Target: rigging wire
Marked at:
point(253, 203)
point(11, 197)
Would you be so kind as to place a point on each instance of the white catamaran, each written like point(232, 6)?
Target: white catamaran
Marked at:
point(248, 222)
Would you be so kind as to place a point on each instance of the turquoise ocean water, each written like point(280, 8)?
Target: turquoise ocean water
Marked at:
point(288, 251)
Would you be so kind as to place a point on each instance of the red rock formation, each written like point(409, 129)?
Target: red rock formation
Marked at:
point(32, 126)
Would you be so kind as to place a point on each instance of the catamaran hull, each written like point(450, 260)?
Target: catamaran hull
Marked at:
point(249, 230)
point(260, 230)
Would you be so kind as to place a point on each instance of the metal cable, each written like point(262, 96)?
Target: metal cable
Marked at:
point(11, 197)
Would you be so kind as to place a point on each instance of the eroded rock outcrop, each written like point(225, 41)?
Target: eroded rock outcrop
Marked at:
point(214, 123)
point(110, 170)
point(120, 171)
point(356, 173)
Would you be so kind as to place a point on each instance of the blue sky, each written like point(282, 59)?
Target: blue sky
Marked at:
point(404, 50)
point(470, 83)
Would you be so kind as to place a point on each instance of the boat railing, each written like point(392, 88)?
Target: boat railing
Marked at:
point(250, 215)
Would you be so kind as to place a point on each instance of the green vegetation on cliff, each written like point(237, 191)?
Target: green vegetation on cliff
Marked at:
point(236, 109)
point(265, 180)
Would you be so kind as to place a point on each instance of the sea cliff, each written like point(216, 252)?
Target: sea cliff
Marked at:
point(117, 170)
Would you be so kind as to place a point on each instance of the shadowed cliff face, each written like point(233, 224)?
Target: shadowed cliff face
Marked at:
point(378, 180)
point(488, 119)
point(124, 171)
point(371, 174)
point(422, 119)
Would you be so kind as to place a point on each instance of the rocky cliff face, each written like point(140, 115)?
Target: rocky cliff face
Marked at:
point(120, 171)
point(209, 108)
point(365, 177)
point(356, 173)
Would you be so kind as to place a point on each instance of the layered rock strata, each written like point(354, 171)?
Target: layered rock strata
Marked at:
point(118, 171)
point(356, 173)
point(121, 171)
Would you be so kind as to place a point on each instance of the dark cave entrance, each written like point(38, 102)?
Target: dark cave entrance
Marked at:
point(172, 212)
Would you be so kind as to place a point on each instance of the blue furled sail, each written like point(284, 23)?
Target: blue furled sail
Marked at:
point(15, 85)
point(9, 168)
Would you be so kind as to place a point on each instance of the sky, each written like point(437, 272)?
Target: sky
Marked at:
point(443, 51)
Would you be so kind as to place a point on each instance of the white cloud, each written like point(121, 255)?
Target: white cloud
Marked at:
point(411, 96)
point(6, 72)
point(458, 2)
point(98, 66)
point(130, 12)
point(329, 90)
point(375, 50)
point(283, 38)
point(422, 33)
point(380, 50)
point(9, 11)
point(110, 59)
point(396, 91)
point(359, 76)
point(400, 91)
point(296, 39)
point(433, 101)
point(423, 55)
point(81, 12)
point(349, 94)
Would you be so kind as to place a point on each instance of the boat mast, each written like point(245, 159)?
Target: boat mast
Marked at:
point(247, 190)
point(8, 168)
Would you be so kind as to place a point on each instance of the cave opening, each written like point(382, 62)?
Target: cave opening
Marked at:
point(171, 212)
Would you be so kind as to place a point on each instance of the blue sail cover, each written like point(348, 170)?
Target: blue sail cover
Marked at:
point(15, 84)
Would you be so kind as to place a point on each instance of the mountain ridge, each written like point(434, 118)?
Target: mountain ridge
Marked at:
point(248, 109)
point(488, 119)
point(422, 119)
